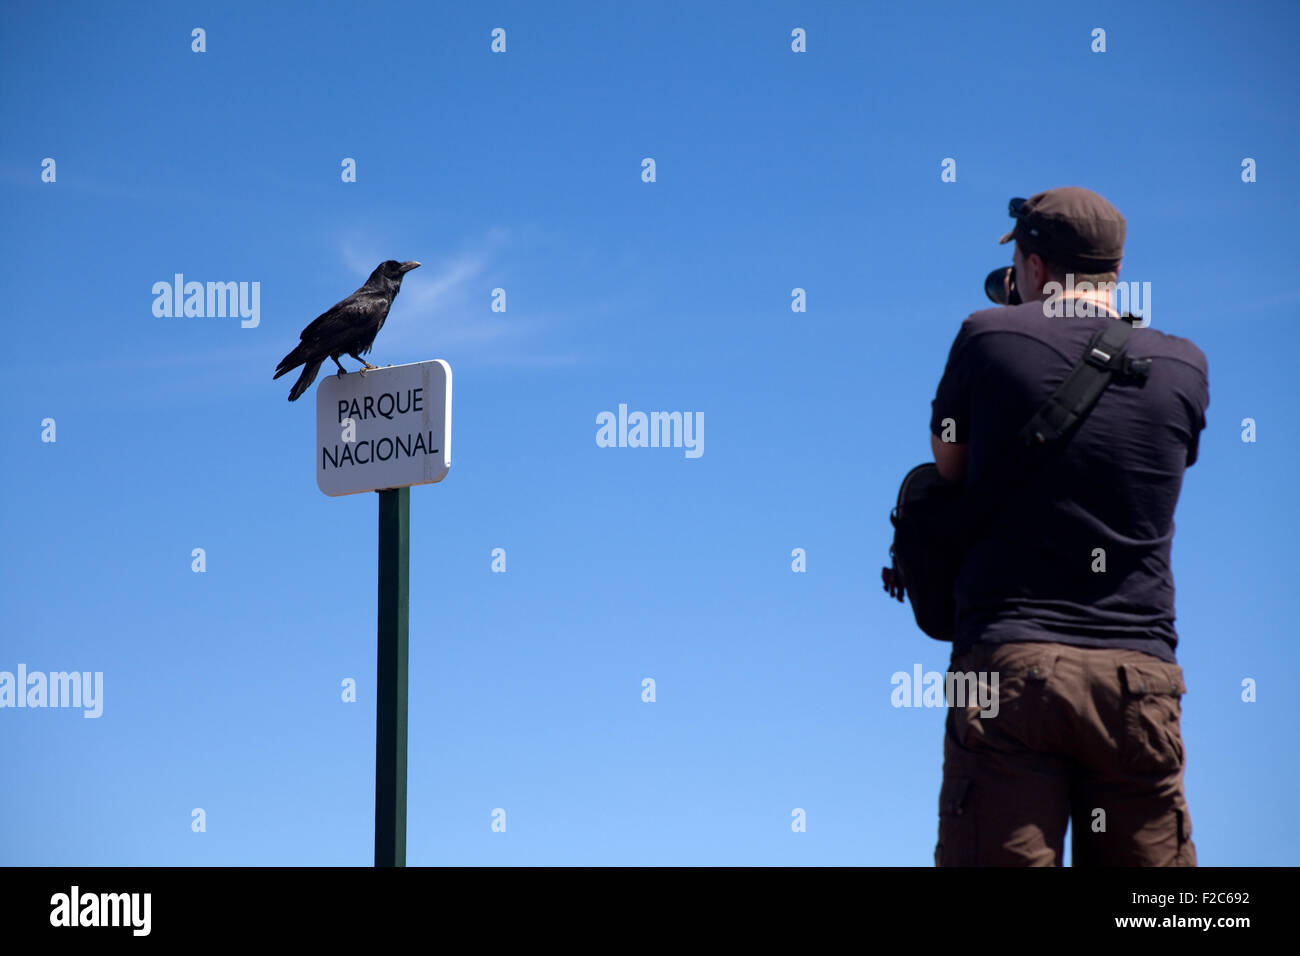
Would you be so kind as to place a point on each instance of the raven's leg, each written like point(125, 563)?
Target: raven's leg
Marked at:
point(342, 370)
point(368, 366)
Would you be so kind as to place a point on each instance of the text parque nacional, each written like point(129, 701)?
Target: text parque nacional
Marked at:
point(386, 405)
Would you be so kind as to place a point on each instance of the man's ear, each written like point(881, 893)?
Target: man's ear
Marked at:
point(1037, 273)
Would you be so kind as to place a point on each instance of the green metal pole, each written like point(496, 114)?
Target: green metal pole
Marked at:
point(390, 709)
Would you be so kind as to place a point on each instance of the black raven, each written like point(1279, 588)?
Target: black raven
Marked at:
point(346, 328)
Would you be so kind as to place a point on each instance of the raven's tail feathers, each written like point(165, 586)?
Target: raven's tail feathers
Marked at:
point(305, 379)
point(292, 360)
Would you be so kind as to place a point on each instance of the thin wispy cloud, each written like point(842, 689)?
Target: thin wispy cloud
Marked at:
point(445, 307)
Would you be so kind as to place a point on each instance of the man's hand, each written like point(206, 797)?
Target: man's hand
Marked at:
point(949, 458)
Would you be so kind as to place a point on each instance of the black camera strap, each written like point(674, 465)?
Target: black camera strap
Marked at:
point(1104, 360)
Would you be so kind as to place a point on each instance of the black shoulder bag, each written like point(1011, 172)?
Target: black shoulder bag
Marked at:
point(936, 521)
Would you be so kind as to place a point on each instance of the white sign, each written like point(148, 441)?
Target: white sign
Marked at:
point(387, 429)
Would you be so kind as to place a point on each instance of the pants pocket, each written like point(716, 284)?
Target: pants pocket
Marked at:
point(1186, 849)
point(956, 846)
point(1019, 678)
point(1153, 740)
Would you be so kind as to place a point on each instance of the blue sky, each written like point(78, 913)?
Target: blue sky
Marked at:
point(522, 170)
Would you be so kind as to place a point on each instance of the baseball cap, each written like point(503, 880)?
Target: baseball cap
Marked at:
point(1072, 227)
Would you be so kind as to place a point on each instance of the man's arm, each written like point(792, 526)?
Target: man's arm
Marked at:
point(949, 458)
point(950, 410)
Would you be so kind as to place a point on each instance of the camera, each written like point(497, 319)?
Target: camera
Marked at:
point(1000, 286)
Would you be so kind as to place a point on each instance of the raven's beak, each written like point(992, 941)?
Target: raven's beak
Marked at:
point(408, 266)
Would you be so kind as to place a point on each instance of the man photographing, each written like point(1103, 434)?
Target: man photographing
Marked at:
point(1069, 597)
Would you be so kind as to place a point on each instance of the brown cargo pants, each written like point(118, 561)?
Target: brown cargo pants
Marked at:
point(1089, 735)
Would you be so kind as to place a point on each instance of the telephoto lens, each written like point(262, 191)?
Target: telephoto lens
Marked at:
point(1000, 286)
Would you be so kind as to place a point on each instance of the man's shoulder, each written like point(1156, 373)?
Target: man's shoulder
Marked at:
point(1153, 341)
point(1027, 319)
point(1009, 316)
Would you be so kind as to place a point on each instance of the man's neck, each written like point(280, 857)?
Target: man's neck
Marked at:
point(1100, 302)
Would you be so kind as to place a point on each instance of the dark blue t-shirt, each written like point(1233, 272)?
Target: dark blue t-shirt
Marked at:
point(1113, 486)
